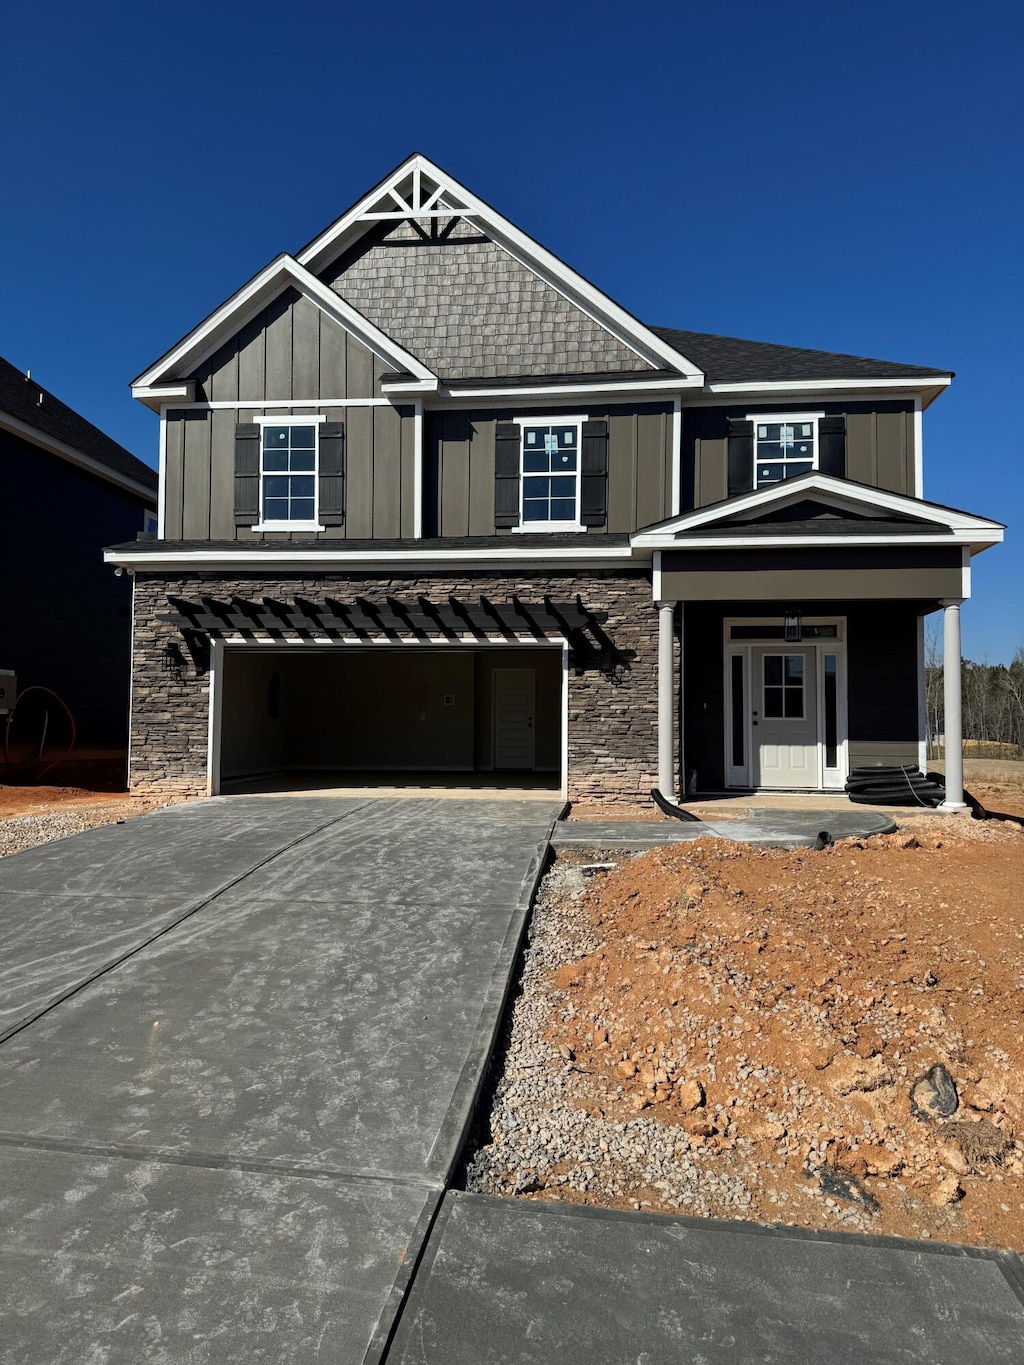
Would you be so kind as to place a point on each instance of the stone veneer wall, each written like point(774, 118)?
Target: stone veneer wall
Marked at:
point(613, 739)
point(465, 307)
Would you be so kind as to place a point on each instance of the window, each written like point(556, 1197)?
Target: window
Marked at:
point(784, 445)
point(784, 686)
point(551, 475)
point(150, 524)
point(288, 465)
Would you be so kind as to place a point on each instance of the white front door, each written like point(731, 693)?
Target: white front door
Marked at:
point(784, 723)
point(513, 704)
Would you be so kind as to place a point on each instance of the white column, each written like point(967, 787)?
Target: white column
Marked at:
point(666, 698)
point(953, 707)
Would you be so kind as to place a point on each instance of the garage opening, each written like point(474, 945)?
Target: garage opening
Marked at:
point(341, 716)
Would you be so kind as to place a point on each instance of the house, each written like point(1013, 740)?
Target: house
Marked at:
point(433, 505)
point(65, 620)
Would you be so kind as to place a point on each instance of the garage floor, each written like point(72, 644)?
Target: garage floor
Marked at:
point(514, 785)
point(242, 1041)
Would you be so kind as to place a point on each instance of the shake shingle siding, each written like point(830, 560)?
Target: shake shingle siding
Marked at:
point(464, 307)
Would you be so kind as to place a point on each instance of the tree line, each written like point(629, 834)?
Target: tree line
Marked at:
point(993, 704)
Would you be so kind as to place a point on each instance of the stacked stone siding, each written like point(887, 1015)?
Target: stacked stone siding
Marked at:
point(613, 741)
point(464, 307)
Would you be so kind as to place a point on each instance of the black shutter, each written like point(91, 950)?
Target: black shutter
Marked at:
point(741, 456)
point(507, 452)
point(594, 474)
point(247, 474)
point(332, 474)
point(832, 446)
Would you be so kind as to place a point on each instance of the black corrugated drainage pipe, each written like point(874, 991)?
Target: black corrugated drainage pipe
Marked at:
point(676, 812)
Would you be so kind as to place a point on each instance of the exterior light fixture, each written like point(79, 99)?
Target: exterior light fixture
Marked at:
point(172, 660)
point(794, 629)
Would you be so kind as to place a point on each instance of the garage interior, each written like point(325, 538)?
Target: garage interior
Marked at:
point(344, 716)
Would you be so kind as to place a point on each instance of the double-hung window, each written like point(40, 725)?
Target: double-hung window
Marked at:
point(288, 475)
point(785, 444)
point(550, 474)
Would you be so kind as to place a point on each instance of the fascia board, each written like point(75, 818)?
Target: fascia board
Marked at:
point(76, 457)
point(537, 557)
point(605, 392)
point(776, 542)
point(543, 262)
point(834, 491)
point(205, 339)
point(912, 383)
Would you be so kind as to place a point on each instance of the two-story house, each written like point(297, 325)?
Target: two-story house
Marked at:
point(69, 490)
point(435, 508)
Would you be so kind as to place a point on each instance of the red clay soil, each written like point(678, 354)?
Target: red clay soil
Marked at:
point(781, 1005)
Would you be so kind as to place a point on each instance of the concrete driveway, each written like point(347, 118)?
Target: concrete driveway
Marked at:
point(240, 1043)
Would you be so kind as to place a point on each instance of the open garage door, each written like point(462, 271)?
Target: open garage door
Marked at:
point(294, 718)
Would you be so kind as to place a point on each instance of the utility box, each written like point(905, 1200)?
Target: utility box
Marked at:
point(8, 691)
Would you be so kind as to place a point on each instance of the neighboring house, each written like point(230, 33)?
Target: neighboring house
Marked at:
point(65, 619)
point(431, 503)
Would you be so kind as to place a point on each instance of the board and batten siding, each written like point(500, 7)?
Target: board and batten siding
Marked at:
point(879, 445)
point(290, 351)
point(458, 475)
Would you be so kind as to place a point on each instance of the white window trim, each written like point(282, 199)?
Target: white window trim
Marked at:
point(557, 421)
point(812, 417)
point(293, 420)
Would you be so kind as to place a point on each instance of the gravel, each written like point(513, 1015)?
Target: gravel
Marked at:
point(545, 1133)
point(29, 831)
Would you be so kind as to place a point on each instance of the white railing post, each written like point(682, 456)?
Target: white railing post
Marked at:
point(666, 699)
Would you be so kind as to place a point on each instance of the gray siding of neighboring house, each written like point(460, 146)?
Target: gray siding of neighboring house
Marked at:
point(879, 445)
point(463, 306)
point(67, 626)
point(291, 351)
point(882, 685)
point(459, 467)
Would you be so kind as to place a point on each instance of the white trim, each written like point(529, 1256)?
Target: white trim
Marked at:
point(965, 571)
point(677, 464)
point(216, 718)
point(238, 643)
point(161, 494)
point(838, 492)
point(547, 266)
point(73, 456)
point(184, 389)
point(238, 404)
point(287, 525)
point(131, 689)
point(656, 576)
point(782, 386)
point(204, 340)
point(922, 700)
point(417, 470)
point(713, 542)
point(293, 419)
point(401, 386)
point(918, 452)
point(553, 391)
point(538, 556)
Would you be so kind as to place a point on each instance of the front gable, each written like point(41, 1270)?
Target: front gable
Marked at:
point(818, 508)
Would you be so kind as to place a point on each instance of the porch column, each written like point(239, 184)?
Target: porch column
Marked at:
point(666, 690)
point(953, 706)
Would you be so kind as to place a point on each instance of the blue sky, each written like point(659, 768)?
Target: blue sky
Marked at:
point(841, 176)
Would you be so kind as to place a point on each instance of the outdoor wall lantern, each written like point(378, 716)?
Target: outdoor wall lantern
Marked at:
point(172, 660)
point(794, 629)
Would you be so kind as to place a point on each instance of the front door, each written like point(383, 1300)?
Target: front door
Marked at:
point(784, 699)
point(514, 733)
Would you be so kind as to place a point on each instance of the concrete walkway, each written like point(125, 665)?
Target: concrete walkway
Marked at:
point(515, 1282)
point(767, 828)
point(241, 1041)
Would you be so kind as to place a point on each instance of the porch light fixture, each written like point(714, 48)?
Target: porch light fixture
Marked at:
point(793, 631)
point(172, 660)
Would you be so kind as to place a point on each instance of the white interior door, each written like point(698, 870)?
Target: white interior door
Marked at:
point(514, 703)
point(784, 723)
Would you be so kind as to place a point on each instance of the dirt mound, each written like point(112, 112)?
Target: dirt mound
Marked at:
point(779, 1008)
